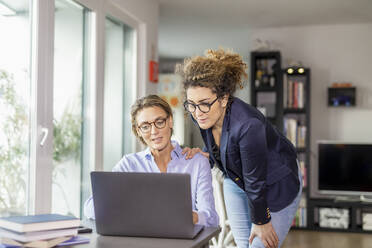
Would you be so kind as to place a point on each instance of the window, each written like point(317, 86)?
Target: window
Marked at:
point(56, 80)
point(69, 49)
point(117, 91)
point(15, 87)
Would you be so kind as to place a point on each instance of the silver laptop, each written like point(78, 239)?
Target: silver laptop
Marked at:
point(143, 204)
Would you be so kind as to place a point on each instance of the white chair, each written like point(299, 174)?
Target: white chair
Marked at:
point(225, 237)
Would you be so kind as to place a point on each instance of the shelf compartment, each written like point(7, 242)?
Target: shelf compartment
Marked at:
point(301, 150)
point(265, 89)
point(294, 111)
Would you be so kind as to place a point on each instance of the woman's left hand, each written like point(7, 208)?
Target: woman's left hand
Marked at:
point(190, 152)
point(266, 233)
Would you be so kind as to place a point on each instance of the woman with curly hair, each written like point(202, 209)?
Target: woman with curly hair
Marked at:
point(262, 184)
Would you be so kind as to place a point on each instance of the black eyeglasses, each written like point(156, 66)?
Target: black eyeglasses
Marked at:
point(203, 107)
point(158, 123)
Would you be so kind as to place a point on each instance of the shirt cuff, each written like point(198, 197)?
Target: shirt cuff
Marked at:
point(202, 220)
point(89, 209)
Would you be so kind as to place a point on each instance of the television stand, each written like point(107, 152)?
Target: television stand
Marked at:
point(356, 206)
point(366, 198)
point(350, 198)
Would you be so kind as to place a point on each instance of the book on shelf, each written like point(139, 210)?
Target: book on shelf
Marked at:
point(40, 222)
point(303, 173)
point(294, 93)
point(38, 235)
point(290, 94)
point(300, 219)
point(301, 136)
point(295, 132)
point(290, 127)
point(56, 242)
point(285, 90)
point(301, 98)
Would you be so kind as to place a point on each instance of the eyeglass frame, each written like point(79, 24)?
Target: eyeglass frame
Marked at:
point(198, 105)
point(153, 122)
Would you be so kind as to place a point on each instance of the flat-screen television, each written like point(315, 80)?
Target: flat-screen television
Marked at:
point(344, 168)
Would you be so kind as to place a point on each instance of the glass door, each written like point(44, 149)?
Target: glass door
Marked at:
point(15, 90)
point(118, 91)
point(70, 46)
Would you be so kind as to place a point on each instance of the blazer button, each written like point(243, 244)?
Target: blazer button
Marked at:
point(236, 179)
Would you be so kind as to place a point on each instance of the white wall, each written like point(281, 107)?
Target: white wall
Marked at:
point(147, 13)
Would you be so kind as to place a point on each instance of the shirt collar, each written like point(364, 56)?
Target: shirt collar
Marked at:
point(175, 154)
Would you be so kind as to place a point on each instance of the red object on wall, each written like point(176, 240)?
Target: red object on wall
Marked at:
point(154, 71)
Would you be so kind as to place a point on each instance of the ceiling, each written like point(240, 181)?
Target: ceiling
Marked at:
point(181, 19)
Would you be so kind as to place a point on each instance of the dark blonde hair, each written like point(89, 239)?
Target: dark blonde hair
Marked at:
point(219, 70)
point(148, 102)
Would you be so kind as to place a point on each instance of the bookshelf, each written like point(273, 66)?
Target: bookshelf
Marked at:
point(296, 127)
point(291, 96)
point(286, 104)
point(266, 85)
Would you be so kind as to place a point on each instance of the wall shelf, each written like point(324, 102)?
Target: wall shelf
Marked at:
point(341, 96)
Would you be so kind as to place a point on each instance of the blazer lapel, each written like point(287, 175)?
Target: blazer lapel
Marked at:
point(225, 138)
point(209, 140)
point(223, 147)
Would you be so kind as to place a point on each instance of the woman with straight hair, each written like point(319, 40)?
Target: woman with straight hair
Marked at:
point(152, 123)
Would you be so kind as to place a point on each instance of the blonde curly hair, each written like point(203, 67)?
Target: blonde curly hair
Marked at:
point(219, 70)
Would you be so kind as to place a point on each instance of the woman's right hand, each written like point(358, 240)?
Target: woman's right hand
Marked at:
point(190, 152)
point(195, 217)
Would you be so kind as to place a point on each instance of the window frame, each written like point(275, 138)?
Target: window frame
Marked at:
point(41, 114)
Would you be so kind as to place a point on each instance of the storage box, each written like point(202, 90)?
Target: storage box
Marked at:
point(334, 218)
point(367, 221)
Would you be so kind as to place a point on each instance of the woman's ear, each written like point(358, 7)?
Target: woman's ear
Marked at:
point(138, 132)
point(224, 101)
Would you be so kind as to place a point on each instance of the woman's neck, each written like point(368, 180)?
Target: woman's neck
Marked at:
point(217, 128)
point(219, 124)
point(163, 157)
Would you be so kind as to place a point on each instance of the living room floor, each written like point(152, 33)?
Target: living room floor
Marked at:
point(321, 239)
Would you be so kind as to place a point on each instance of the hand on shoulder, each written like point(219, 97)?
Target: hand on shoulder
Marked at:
point(190, 152)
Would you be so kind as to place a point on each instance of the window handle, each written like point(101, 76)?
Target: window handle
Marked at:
point(44, 132)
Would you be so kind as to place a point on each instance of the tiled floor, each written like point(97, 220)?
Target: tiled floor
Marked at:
point(313, 239)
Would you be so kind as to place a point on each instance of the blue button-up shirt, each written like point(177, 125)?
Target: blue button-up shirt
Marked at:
point(201, 179)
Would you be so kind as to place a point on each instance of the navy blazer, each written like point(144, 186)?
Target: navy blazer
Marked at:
point(258, 158)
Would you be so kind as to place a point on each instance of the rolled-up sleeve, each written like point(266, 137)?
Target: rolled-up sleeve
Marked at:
point(89, 208)
point(121, 166)
point(204, 195)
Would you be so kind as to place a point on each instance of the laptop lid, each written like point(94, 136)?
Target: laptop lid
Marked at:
point(143, 204)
